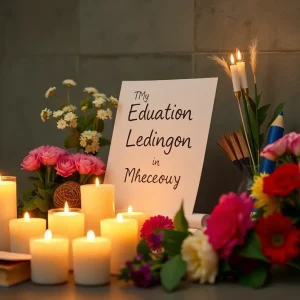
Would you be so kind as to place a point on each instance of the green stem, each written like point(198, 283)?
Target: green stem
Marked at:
point(85, 118)
point(39, 174)
point(49, 170)
point(68, 95)
point(256, 112)
point(53, 175)
point(82, 179)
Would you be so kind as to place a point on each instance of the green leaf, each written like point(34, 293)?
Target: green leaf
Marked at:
point(256, 278)
point(262, 113)
point(124, 275)
point(253, 124)
point(29, 205)
point(173, 240)
point(104, 142)
point(257, 99)
point(143, 248)
point(180, 222)
point(224, 266)
point(42, 204)
point(295, 263)
point(36, 181)
point(172, 273)
point(86, 102)
point(295, 220)
point(45, 194)
point(252, 104)
point(27, 194)
point(252, 247)
point(71, 141)
point(277, 111)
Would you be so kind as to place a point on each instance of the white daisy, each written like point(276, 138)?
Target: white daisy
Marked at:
point(99, 101)
point(102, 114)
point(50, 92)
point(69, 82)
point(70, 117)
point(84, 108)
point(46, 114)
point(69, 108)
point(114, 101)
point(99, 95)
point(58, 113)
point(109, 113)
point(61, 124)
point(90, 90)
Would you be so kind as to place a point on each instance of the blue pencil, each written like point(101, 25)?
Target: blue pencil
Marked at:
point(275, 133)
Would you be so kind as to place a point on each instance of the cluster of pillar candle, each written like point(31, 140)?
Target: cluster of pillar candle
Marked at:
point(91, 241)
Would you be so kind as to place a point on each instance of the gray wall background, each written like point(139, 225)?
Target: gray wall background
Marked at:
point(102, 42)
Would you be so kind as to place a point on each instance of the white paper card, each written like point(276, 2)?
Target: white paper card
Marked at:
point(159, 142)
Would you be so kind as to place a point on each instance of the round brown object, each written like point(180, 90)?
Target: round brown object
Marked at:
point(70, 192)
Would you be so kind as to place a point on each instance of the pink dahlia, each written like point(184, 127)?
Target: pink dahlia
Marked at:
point(229, 223)
point(65, 166)
point(89, 165)
point(150, 226)
point(31, 163)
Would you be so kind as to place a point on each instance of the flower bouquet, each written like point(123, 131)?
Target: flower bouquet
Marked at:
point(252, 113)
point(55, 167)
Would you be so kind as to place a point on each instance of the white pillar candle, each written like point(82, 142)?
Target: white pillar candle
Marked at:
point(123, 235)
point(91, 260)
point(8, 208)
point(235, 77)
point(97, 203)
point(68, 222)
point(140, 217)
point(49, 259)
point(242, 70)
point(22, 230)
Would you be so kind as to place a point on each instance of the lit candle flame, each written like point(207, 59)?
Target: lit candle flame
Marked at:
point(0, 178)
point(90, 235)
point(119, 218)
point(66, 209)
point(97, 182)
point(232, 59)
point(238, 55)
point(26, 216)
point(130, 209)
point(48, 235)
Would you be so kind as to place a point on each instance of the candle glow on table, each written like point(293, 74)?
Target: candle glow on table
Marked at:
point(123, 235)
point(68, 222)
point(139, 216)
point(49, 259)
point(235, 77)
point(97, 203)
point(8, 208)
point(242, 70)
point(22, 230)
point(91, 260)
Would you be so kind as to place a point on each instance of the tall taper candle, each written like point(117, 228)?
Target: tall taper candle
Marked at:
point(242, 70)
point(8, 208)
point(235, 77)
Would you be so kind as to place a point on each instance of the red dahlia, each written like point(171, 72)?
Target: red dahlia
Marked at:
point(148, 230)
point(279, 238)
point(282, 181)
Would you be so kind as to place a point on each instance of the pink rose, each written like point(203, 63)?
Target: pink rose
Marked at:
point(293, 144)
point(229, 223)
point(275, 150)
point(99, 166)
point(38, 151)
point(88, 164)
point(65, 165)
point(51, 154)
point(31, 163)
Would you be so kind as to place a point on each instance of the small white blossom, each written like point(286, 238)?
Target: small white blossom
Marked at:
point(99, 101)
point(99, 95)
point(46, 114)
point(70, 117)
point(73, 123)
point(84, 108)
point(109, 113)
point(58, 113)
point(50, 92)
point(90, 90)
point(61, 124)
point(102, 114)
point(88, 134)
point(82, 142)
point(114, 101)
point(90, 141)
point(69, 108)
point(69, 82)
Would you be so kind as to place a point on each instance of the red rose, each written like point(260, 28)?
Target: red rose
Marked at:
point(282, 181)
point(279, 238)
